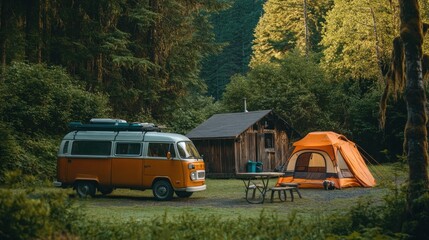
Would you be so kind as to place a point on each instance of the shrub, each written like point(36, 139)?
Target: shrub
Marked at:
point(10, 151)
point(35, 215)
point(40, 99)
point(16, 179)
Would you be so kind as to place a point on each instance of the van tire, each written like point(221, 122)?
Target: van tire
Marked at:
point(162, 190)
point(85, 189)
point(183, 194)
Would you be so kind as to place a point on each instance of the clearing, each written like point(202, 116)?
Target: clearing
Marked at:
point(224, 198)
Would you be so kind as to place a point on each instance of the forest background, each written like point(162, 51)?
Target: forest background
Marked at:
point(320, 65)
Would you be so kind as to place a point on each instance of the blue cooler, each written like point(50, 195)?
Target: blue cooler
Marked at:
point(251, 166)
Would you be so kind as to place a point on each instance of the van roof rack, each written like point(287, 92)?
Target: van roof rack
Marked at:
point(116, 125)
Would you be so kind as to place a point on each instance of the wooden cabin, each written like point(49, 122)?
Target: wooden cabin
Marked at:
point(229, 140)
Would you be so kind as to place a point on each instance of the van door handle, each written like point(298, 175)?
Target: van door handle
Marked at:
point(146, 166)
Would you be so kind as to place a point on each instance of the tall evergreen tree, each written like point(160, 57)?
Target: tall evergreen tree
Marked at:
point(145, 54)
point(286, 25)
point(234, 31)
point(357, 38)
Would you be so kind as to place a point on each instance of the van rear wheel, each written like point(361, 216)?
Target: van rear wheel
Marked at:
point(162, 190)
point(85, 189)
point(183, 194)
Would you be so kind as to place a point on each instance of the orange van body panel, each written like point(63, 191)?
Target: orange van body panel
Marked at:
point(163, 168)
point(62, 169)
point(98, 169)
point(127, 172)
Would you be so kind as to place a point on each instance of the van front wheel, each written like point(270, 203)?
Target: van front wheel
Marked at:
point(85, 189)
point(162, 190)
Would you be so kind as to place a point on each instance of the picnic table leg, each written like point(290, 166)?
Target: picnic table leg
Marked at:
point(256, 189)
point(297, 190)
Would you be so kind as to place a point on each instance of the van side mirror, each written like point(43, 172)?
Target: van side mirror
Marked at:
point(169, 156)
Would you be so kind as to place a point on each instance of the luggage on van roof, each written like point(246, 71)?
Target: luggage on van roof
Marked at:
point(109, 124)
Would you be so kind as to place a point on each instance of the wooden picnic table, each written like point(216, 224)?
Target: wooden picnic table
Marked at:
point(256, 184)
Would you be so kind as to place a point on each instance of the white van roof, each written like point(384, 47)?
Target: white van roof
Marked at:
point(125, 136)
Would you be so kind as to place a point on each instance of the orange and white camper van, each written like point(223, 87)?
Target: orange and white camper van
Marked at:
point(111, 153)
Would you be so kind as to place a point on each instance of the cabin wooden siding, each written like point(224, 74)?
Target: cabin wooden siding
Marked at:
point(218, 155)
point(225, 157)
point(251, 146)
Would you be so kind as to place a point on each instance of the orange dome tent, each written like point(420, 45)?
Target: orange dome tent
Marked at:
point(321, 156)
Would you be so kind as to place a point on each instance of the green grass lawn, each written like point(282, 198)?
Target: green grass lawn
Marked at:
point(224, 198)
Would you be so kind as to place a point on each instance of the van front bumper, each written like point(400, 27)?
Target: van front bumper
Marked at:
point(192, 189)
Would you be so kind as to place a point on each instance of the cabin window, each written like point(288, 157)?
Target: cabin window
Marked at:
point(160, 149)
point(66, 147)
point(128, 149)
point(91, 148)
point(269, 140)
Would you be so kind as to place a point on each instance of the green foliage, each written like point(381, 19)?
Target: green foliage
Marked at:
point(29, 156)
point(281, 29)
point(297, 96)
point(189, 226)
point(10, 151)
point(21, 217)
point(358, 38)
point(16, 179)
point(35, 215)
point(416, 225)
point(37, 99)
point(359, 223)
point(233, 28)
point(145, 55)
point(190, 112)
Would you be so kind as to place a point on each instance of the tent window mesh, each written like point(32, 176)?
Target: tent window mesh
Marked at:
point(310, 162)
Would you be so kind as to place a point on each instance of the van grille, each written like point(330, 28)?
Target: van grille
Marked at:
point(201, 174)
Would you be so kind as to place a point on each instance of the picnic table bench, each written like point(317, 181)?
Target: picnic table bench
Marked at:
point(281, 190)
point(295, 185)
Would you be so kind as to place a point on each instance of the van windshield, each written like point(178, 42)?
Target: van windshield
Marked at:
point(187, 150)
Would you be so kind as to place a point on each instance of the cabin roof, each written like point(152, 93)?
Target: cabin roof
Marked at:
point(227, 125)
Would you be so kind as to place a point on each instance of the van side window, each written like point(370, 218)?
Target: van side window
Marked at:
point(91, 148)
point(160, 149)
point(66, 147)
point(128, 149)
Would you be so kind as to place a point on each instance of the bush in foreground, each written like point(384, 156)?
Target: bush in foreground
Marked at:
point(51, 214)
point(35, 214)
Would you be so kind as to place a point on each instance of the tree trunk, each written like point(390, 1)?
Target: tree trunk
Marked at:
point(415, 130)
point(32, 41)
point(3, 32)
point(307, 34)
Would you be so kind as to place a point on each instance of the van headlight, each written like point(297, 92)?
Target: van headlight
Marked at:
point(193, 176)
